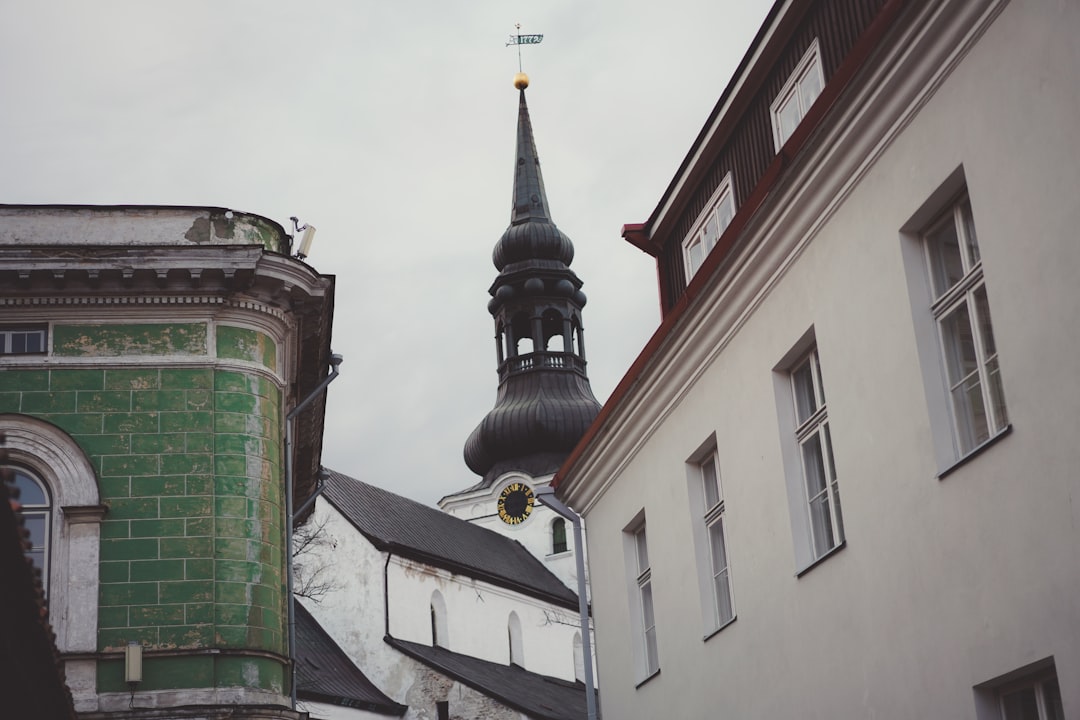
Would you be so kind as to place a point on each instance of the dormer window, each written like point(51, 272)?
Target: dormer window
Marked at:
point(709, 227)
point(797, 95)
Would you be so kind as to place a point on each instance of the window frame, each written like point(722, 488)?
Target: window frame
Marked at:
point(723, 196)
point(8, 333)
point(709, 519)
point(559, 542)
point(43, 511)
point(946, 303)
point(810, 63)
point(641, 600)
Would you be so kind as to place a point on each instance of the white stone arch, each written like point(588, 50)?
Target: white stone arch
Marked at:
point(75, 541)
point(440, 633)
point(517, 649)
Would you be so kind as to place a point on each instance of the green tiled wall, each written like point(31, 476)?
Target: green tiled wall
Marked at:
point(242, 344)
point(129, 339)
point(190, 465)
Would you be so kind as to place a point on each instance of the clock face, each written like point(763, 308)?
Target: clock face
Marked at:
point(515, 503)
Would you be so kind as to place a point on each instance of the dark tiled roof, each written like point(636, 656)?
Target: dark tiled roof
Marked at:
point(538, 696)
point(324, 672)
point(407, 528)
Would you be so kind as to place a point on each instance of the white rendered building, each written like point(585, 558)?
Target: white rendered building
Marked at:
point(840, 480)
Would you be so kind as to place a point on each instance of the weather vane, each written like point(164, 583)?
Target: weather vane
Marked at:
point(520, 40)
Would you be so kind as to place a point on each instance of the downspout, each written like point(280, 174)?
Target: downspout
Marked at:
point(546, 495)
point(386, 591)
point(335, 361)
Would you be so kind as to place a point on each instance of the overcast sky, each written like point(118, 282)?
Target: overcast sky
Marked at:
point(390, 126)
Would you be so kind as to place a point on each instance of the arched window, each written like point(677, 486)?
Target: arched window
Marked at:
point(37, 513)
point(70, 524)
point(439, 635)
point(513, 630)
point(558, 536)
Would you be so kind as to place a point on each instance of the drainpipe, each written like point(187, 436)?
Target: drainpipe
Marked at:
point(546, 495)
point(335, 361)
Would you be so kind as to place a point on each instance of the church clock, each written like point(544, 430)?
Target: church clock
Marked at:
point(515, 503)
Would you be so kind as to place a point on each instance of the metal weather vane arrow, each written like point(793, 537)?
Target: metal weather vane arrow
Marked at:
point(520, 40)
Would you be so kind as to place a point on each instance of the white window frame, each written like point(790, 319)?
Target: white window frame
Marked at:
point(642, 601)
point(1043, 694)
point(809, 68)
point(950, 302)
point(708, 509)
point(807, 499)
point(8, 333)
point(710, 226)
point(1040, 678)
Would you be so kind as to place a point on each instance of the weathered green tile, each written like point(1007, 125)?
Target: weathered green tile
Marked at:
point(134, 549)
point(117, 465)
point(77, 380)
point(199, 442)
point(115, 487)
point(230, 549)
point(198, 569)
point(23, 380)
point(237, 571)
point(114, 572)
point(200, 484)
point(188, 547)
point(159, 673)
point(185, 507)
point(231, 636)
point(133, 508)
point(104, 444)
point(116, 639)
point(10, 402)
point(163, 400)
point(232, 381)
point(158, 485)
point(116, 340)
point(49, 402)
point(228, 527)
point(226, 614)
point(159, 443)
point(233, 592)
point(145, 422)
point(188, 636)
point(201, 422)
point(249, 671)
point(235, 507)
point(199, 613)
point(153, 570)
point(157, 615)
point(243, 344)
point(114, 529)
point(199, 400)
point(237, 485)
point(186, 464)
point(104, 401)
point(78, 423)
point(265, 597)
point(157, 528)
point(144, 593)
point(235, 403)
point(232, 465)
point(141, 379)
point(187, 379)
point(113, 617)
point(187, 591)
point(199, 527)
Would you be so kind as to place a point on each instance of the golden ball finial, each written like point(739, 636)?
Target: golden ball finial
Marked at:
point(521, 81)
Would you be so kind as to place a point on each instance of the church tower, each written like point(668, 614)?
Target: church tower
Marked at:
point(544, 402)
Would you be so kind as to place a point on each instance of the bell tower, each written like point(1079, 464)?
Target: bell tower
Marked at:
point(544, 402)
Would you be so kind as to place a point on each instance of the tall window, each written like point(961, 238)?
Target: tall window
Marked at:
point(722, 599)
point(797, 95)
point(644, 585)
point(22, 339)
point(962, 313)
point(36, 511)
point(815, 450)
point(439, 634)
point(513, 633)
point(558, 536)
point(1033, 700)
point(710, 226)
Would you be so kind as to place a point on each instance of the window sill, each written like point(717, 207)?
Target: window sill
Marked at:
point(556, 556)
point(976, 451)
point(823, 558)
point(717, 631)
point(646, 680)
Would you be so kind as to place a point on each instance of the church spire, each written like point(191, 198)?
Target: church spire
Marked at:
point(544, 402)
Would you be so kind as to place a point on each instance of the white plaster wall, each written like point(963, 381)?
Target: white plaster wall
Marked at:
point(943, 584)
point(326, 711)
point(354, 613)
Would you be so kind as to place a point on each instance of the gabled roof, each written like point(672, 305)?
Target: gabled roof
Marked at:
point(404, 527)
point(324, 673)
point(538, 696)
